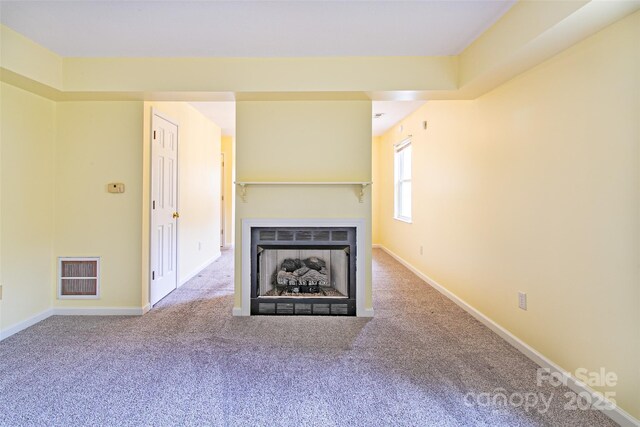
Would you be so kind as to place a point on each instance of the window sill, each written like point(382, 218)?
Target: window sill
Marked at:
point(407, 220)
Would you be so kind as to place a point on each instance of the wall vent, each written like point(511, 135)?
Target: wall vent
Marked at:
point(79, 278)
point(303, 235)
point(339, 235)
point(267, 235)
point(321, 235)
point(285, 235)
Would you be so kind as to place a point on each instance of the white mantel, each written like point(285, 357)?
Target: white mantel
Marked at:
point(247, 224)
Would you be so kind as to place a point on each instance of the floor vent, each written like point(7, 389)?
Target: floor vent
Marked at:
point(79, 278)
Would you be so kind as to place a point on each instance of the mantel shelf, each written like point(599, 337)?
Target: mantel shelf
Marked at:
point(243, 185)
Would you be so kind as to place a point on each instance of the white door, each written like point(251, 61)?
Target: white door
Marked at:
point(164, 208)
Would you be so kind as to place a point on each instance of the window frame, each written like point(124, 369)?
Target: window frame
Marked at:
point(399, 182)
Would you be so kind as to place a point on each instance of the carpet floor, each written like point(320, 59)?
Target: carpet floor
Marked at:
point(421, 361)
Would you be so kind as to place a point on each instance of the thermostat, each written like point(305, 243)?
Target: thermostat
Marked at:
point(115, 187)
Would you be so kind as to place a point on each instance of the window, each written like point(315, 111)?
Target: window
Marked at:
point(402, 180)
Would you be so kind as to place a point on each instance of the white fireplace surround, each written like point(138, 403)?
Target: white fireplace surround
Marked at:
point(248, 224)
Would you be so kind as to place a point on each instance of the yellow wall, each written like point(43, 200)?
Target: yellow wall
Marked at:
point(534, 187)
point(303, 141)
point(523, 23)
point(98, 143)
point(198, 189)
point(69, 152)
point(260, 74)
point(25, 57)
point(27, 179)
point(535, 174)
point(375, 194)
point(524, 36)
point(228, 148)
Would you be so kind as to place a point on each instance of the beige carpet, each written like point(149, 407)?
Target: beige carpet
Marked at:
point(421, 361)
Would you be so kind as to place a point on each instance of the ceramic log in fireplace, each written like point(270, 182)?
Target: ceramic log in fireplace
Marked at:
point(303, 270)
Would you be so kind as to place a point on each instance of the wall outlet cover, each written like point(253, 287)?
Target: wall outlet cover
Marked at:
point(522, 300)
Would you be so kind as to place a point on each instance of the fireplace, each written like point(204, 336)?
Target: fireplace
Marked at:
point(303, 271)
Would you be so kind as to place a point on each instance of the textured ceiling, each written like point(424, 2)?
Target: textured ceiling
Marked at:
point(252, 28)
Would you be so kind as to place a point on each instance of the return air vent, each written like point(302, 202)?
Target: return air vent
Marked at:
point(79, 278)
point(339, 235)
point(285, 235)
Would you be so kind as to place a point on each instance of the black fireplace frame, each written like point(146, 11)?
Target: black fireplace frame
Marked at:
point(304, 238)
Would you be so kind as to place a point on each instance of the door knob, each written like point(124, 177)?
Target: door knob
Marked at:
point(176, 215)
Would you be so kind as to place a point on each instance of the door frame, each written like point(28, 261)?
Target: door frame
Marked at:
point(155, 113)
point(223, 203)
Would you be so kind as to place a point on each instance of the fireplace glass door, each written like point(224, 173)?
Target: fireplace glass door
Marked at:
point(303, 273)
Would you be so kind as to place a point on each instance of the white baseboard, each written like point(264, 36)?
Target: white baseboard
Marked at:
point(21, 326)
point(617, 414)
point(195, 272)
point(98, 311)
point(366, 312)
point(73, 311)
point(376, 246)
point(237, 311)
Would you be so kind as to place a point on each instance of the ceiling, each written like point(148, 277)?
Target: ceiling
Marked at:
point(392, 113)
point(221, 113)
point(178, 28)
point(299, 28)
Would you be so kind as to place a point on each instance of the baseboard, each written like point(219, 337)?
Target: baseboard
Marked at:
point(617, 414)
point(199, 269)
point(98, 311)
point(366, 312)
point(376, 246)
point(21, 326)
point(73, 311)
point(237, 311)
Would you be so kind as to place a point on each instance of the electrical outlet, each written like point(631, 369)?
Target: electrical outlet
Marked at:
point(522, 300)
point(199, 246)
point(421, 249)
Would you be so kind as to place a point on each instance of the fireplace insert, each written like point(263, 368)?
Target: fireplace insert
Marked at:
point(303, 271)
